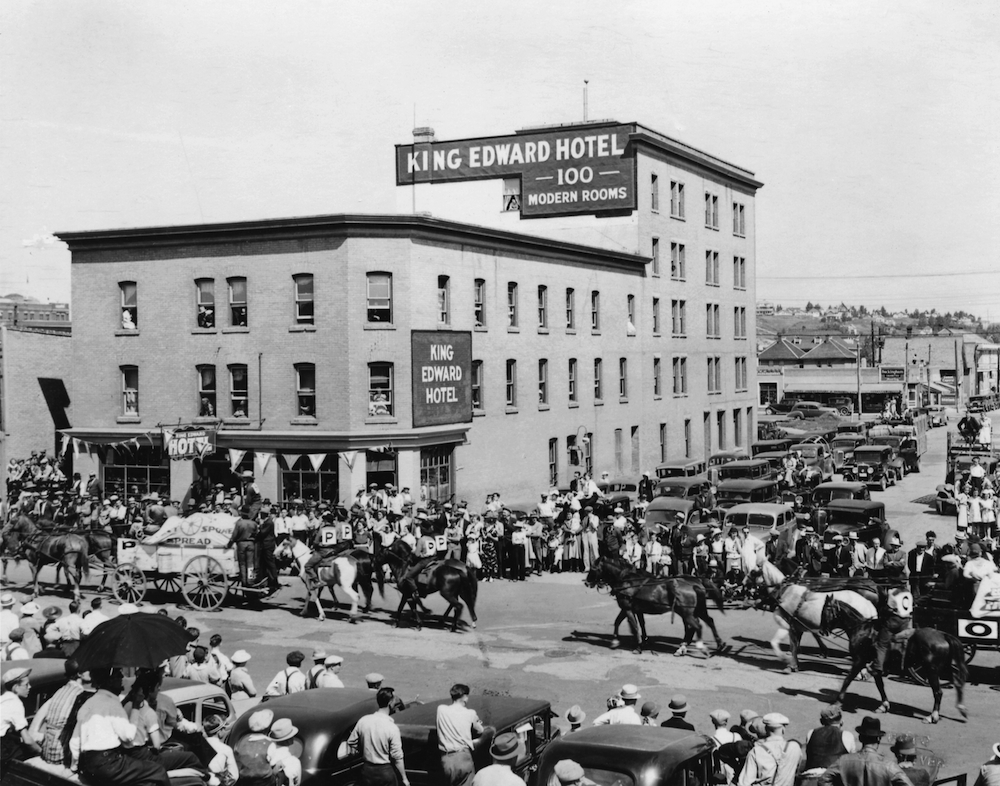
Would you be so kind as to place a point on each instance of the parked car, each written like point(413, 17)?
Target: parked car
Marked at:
point(843, 447)
point(776, 458)
point(681, 469)
point(732, 492)
point(782, 407)
point(632, 756)
point(771, 445)
point(760, 517)
point(696, 488)
point(812, 409)
point(725, 456)
point(664, 513)
point(750, 469)
point(874, 465)
point(843, 516)
point(937, 416)
point(818, 460)
point(859, 427)
point(843, 405)
point(826, 493)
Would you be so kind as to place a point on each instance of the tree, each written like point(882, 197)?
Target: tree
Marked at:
point(809, 306)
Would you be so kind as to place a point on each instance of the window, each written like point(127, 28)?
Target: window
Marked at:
point(687, 438)
point(680, 376)
point(720, 425)
point(598, 381)
point(656, 377)
point(553, 463)
point(573, 452)
point(572, 380)
point(678, 263)
point(130, 391)
point(206, 391)
point(654, 193)
point(631, 315)
point(741, 373)
point(676, 199)
point(479, 296)
point(739, 273)
point(618, 452)
point(663, 442)
point(380, 398)
point(740, 322)
point(380, 297)
point(739, 220)
point(712, 268)
point(623, 377)
point(512, 304)
point(304, 305)
point(543, 381)
point(239, 398)
point(205, 300)
point(588, 453)
point(656, 316)
point(477, 384)
point(511, 383)
point(711, 211)
point(435, 473)
point(738, 427)
point(595, 310)
point(444, 300)
point(301, 481)
point(712, 321)
point(714, 375)
point(143, 468)
point(678, 316)
point(543, 307)
point(305, 390)
point(237, 302)
point(656, 256)
point(130, 305)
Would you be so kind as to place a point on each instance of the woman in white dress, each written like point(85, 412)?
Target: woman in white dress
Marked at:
point(962, 504)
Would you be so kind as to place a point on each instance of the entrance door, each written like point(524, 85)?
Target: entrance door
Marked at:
point(707, 437)
point(381, 468)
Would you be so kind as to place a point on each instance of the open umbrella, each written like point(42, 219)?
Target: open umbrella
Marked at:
point(138, 640)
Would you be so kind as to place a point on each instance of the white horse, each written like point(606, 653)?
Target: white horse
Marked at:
point(798, 608)
point(342, 573)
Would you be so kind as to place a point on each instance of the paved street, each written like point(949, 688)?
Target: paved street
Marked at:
point(550, 637)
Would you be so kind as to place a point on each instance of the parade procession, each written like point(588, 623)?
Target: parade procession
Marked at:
point(369, 417)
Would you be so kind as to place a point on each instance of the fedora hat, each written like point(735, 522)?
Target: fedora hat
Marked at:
point(575, 714)
point(506, 747)
point(282, 730)
point(870, 727)
point(630, 691)
point(678, 703)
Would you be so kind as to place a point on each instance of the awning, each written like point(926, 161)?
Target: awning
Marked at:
point(847, 389)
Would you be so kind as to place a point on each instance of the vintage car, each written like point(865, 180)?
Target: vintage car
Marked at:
point(632, 756)
point(664, 513)
point(875, 465)
point(725, 456)
point(844, 516)
point(776, 458)
point(827, 492)
point(733, 492)
point(843, 446)
point(771, 445)
point(749, 469)
point(818, 460)
point(530, 719)
point(937, 416)
point(812, 409)
point(619, 491)
point(782, 407)
point(760, 517)
point(682, 469)
point(856, 427)
point(696, 488)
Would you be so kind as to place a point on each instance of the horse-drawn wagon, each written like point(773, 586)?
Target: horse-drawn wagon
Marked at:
point(187, 555)
point(970, 614)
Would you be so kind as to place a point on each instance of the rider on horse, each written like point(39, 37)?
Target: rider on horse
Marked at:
point(323, 551)
point(895, 618)
point(421, 557)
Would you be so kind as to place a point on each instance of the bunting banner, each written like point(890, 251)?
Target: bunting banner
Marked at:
point(235, 457)
point(317, 459)
point(349, 457)
point(84, 445)
point(261, 460)
point(76, 446)
point(290, 459)
point(63, 445)
point(185, 443)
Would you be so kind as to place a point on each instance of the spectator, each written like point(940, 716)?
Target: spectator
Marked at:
point(288, 680)
point(650, 713)
point(15, 649)
point(51, 648)
point(8, 618)
point(569, 773)
point(374, 680)
point(774, 760)
point(678, 707)
point(721, 734)
point(240, 684)
point(94, 618)
point(16, 743)
point(905, 751)
point(251, 751)
point(201, 669)
point(457, 725)
point(376, 737)
point(920, 566)
point(218, 658)
point(279, 755)
point(624, 714)
point(989, 773)
point(505, 751)
point(828, 742)
point(575, 716)
point(867, 767)
point(318, 667)
point(329, 677)
point(51, 719)
point(31, 623)
point(743, 727)
point(147, 745)
point(223, 764)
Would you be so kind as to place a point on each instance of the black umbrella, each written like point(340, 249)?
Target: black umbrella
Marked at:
point(138, 640)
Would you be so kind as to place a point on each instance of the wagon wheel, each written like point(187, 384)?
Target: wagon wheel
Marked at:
point(970, 652)
point(168, 582)
point(129, 583)
point(204, 583)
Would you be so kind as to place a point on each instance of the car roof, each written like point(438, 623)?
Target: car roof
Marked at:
point(838, 485)
point(745, 484)
point(43, 670)
point(497, 711)
point(748, 462)
point(685, 463)
point(693, 480)
point(872, 448)
point(182, 691)
point(326, 708)
point(759, 507)
point(855, 504)
point(627, 748)
point(670, 503)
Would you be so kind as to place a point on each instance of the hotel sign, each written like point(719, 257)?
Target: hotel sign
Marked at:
point(185, 443)
point(562, 171)
point(442, 377)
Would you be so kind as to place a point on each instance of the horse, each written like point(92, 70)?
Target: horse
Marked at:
point(935, 653)
point(639, 593)
point(798, 605)
point(102, 546)
point(452, 579)
point(24, 538)
point(350, 571)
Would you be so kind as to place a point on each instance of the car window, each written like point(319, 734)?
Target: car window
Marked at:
point(602, 777)
point(736, 519)
point(761, 520)
point(693, 773)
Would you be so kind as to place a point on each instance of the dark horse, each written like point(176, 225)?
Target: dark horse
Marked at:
point(935, 654)
point(639, 593)
point(452, 579)
point(25, 539)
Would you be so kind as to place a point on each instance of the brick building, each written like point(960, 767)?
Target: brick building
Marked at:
point(293, 338)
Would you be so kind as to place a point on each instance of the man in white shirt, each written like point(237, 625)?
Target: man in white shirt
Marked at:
point(93, 619)
point(329, 677)
point(979, 565)
point(288, 680)
point(14, 690)
point(506, 750)
point(624, 715)
point(376, 737)
point(70, 628)
point(456, 726)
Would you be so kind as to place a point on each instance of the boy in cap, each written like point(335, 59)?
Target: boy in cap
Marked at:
point(868, 766)
point(328, 677)
point(15, 649)
point(570, 773)
point(721, 734)
point(374, 680)
point(17, 743)
point(773, 760)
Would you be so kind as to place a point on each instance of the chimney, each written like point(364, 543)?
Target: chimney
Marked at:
point(423, 135)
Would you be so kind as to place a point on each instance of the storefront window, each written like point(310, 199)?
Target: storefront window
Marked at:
point(301, 481)
point(381, 468)
point(135, 472)
point(435, 474)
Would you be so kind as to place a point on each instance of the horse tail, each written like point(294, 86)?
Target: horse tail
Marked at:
point(714, 593)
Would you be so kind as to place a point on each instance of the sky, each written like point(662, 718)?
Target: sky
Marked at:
point(873, 125)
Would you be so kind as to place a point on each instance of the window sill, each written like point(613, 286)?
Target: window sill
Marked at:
point(656, 334)
point(595, 332)
point(479, 413)
point(128, 419)
point(510, 410)
point(678, 280)
point(715, 392)
point(376, 419)
point(574, 405)
point(304, 421)
point(680, 395)
point(654, 210)
point(480, 328)
point(302, 329)
point(623, 399)
point(677, 217)
point(679, 335)
point(236, 329)
point(657, 398)
point(543, 331)
point(740, 289)
point(711, 283)
point(203, 331)
point(570, 331)
point(513, 329)
point(378, 326)
point(244, 422)
point(127, 332)
point(655, 275)
point(598, 402)
point(205, 420)
point(737, 234)
point(544, 407)
point(740, 338)
point(444, 325)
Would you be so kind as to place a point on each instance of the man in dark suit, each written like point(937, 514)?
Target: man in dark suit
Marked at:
point(920, 566)
point(809, 553)
point(838, 559)
point(678, 711)
point(266, 542)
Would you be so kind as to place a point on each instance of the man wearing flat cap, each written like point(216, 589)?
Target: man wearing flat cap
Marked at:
point(920, 566)
point(828, 742)
point(569, 773)
point(773, 760)
point(868, 767)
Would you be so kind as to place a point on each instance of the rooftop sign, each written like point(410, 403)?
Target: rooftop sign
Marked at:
point(562, 171)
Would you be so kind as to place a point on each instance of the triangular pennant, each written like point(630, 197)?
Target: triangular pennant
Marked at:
point(317, 459)
point(290, 459)
point(76, 446)
point(63, 444)
point(261, 460)
point(235, 457)
point(349, 457)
